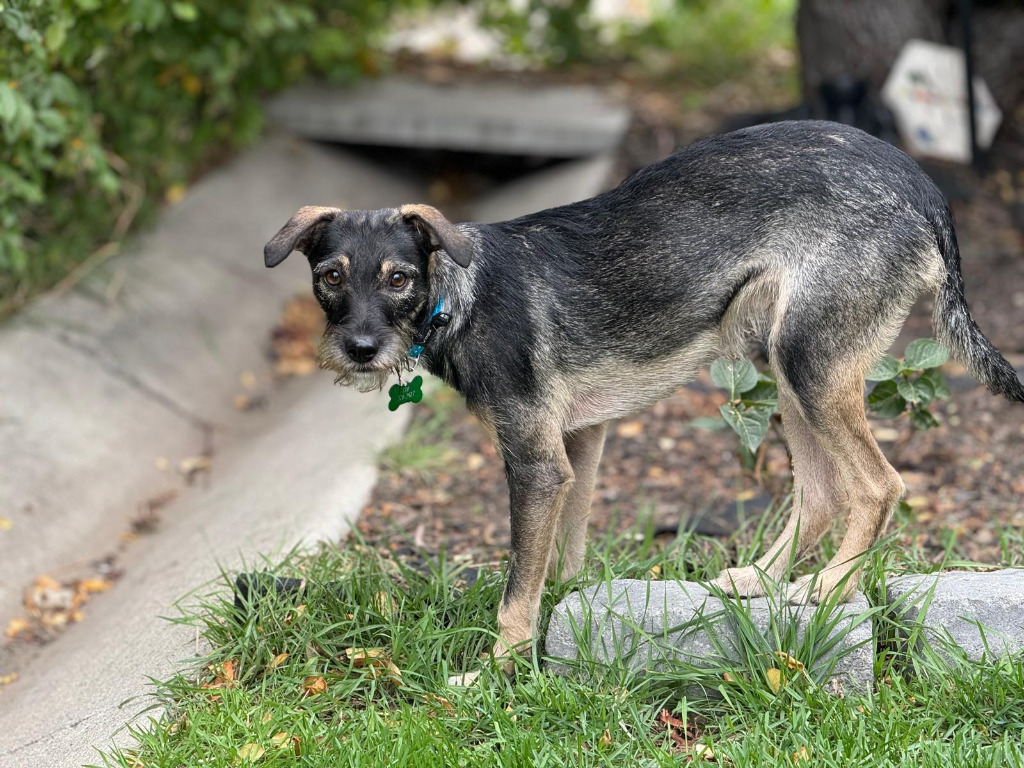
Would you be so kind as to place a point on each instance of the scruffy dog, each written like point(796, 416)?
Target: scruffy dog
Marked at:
point(812, 236)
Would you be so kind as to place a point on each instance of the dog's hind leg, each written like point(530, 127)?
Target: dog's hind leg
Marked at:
point(583, 448)
point(871, 486)
point(817, 499)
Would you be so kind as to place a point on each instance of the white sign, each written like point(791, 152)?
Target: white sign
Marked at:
point(927, 92)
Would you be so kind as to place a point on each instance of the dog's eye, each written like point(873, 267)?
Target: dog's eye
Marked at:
point(332, 277)
point(398, 280)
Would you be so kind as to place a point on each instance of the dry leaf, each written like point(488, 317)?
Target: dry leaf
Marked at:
point(669, 719)
point(433, 698)
point(655, 572)
point(16, 626)
point(194, 465)
point(703, 751)
point(802, 755)
point(314, 685)
point(8, 679)
point(281, 740)
point(774, 679)
point(278, 660)
point(795, 664)
point(251, 752)
point(606, 738)
point(630, 429)
point(385, 604)
point(91, 586)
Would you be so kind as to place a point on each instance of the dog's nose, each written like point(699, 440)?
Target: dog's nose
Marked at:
point(361, 349)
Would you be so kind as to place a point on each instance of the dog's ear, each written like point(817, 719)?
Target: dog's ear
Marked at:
point(437, 232)
point(297, 234)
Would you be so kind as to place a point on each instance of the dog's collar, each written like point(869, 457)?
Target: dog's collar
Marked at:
point(437, 319)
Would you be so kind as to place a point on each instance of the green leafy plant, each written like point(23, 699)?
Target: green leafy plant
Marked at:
point(912, 383)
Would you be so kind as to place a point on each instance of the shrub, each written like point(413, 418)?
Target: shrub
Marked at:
point(912, 383)
point(107, 104)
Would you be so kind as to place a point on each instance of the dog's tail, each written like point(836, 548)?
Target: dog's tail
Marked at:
point(953, 322)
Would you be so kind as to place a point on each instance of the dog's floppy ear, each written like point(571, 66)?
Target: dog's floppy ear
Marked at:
point(297, 233)
point(437, 232)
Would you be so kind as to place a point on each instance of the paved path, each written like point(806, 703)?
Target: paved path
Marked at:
point(93, 392)
point(100, 390)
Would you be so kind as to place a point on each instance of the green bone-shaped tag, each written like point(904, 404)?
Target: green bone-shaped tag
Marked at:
point(406, 393)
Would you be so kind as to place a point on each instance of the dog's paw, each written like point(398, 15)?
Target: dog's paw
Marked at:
point(742, 582)
point(464, 680)
point(818, 588)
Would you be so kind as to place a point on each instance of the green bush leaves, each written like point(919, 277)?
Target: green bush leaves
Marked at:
point(911, 383)
point(106, 104)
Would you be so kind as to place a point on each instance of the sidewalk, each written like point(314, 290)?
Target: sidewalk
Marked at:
point(100, 391)
point(94, 392)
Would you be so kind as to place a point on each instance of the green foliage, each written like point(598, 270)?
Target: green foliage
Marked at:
point(106, 104)
point(913, 384)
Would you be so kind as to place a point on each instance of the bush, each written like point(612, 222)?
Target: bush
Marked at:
point(912, 383)
point(107, 104)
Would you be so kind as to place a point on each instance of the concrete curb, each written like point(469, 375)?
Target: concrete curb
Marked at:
point(646, 626)
point(98, 390)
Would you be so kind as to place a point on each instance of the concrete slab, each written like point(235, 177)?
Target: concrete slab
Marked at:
point(982, 613)
point(651, 624)
point(498, 117)
point(566, 183)
point(303, 479)
point(94, 391)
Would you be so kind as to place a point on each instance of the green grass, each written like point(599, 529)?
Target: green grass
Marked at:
point(432, 621)
point(431, 625)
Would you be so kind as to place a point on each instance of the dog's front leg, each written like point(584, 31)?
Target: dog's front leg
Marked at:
point(539, 476)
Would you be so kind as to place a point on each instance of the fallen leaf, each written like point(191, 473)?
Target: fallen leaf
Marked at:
point(278, 660)
point(802, 755)
point(16, 626)
point(314, 685)
point(193, 466)
point(606, 738)
point(433, 698)
point(92, 586)
point(281, 740)
point(251, 752)
point(655, 572)
point(630, 429)
point(8, 679)
point(176, 192)
point(795, 664)
point(669, 719)
point(385, 604)
point(774, 679)
point(703, 751)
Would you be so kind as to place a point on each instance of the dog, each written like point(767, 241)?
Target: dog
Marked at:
point(813, 237)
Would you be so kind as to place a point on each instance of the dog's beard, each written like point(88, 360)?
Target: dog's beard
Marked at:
point(365, 378)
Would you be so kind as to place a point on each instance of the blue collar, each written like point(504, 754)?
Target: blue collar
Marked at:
point(437, 319)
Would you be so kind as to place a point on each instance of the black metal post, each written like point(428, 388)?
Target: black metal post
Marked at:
point(966, 7)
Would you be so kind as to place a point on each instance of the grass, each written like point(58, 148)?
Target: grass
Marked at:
point(292, 680)
point(352, 671)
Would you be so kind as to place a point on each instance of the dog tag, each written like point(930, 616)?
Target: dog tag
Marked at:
point(406, 393)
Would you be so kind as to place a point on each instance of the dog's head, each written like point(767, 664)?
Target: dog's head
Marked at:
point(371, 272)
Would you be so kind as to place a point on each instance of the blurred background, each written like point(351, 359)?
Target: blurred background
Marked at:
point(160, 406)
point(110, 110)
